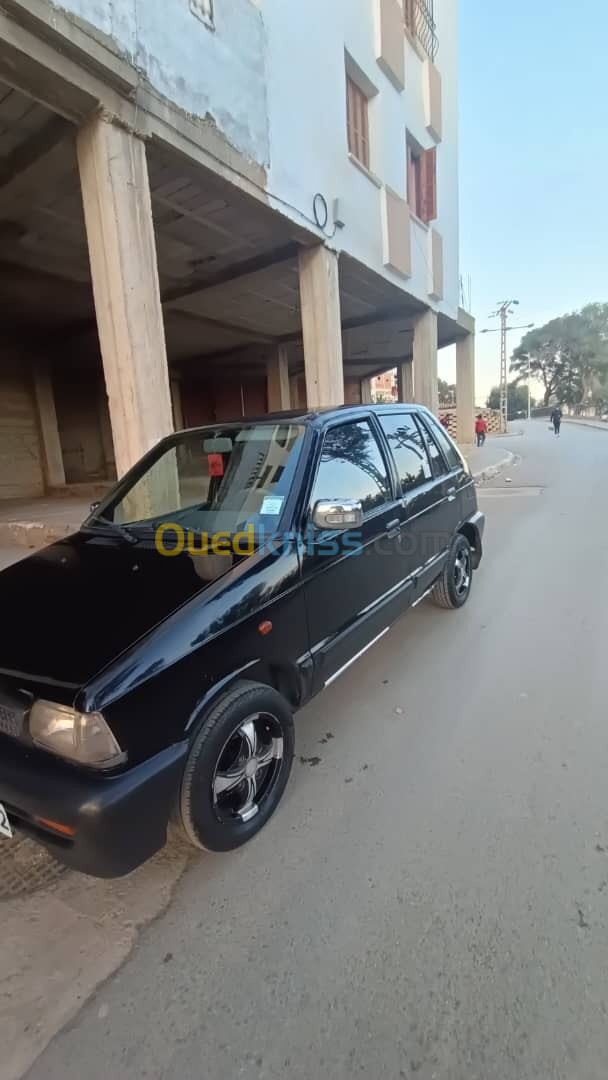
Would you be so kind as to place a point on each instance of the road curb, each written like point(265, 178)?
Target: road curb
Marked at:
point(492, 470)
point(597, 425)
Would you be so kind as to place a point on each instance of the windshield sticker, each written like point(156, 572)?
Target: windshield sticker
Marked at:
point(273, 504)
point(216, 464)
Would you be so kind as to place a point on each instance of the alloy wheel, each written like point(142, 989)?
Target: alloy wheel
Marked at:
point(462, 572)
point(247, 768)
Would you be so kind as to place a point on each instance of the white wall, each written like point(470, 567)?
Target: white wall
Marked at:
point(308, 140)
point(216, 74)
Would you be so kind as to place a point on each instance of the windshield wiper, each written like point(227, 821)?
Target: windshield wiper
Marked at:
point(112, 526)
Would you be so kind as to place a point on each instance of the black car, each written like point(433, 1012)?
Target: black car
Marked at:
point(150, 665)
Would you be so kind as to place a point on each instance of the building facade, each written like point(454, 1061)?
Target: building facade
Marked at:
point(215, 208)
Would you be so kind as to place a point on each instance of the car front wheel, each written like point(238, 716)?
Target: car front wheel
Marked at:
point(238, 767)
point(454, 586)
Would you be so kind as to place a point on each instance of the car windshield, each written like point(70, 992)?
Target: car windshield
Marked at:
point(221, 479)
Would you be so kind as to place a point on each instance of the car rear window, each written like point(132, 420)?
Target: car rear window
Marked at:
point(408, 449)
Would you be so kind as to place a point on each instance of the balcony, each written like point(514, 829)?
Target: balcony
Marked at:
point(420, 24)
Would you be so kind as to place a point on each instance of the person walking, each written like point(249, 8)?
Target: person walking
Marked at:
point(481, 430)
point(556, 419)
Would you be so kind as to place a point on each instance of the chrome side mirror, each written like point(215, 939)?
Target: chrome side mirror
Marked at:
point(331, 514)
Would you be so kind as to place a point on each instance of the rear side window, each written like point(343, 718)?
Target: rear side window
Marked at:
point(450, 452)
point(437, 460)
point(408, 449)
point(352, 467)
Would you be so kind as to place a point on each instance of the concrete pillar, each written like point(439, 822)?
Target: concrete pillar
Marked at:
point(52, 456)
point(465, 389)
point(321, 327)
point(106, 434)
point(405, 382)
point(425, 361)
point(176, 404)
point(366, 391)
point(277, 373)
point(122, 252)
point(297, 392)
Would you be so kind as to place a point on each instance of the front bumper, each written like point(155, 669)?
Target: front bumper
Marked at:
point(118, 821)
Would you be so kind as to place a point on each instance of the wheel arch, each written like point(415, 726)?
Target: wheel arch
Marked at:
point(290, 681)
point(471, 533)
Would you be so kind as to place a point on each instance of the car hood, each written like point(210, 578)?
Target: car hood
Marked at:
point(70, 609)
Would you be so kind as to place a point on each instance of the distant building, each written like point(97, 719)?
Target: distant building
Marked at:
point(384, 387)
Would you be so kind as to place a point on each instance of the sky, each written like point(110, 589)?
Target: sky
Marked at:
point(533, 163)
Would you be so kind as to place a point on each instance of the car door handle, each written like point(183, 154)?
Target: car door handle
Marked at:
point(391, 526)
point(451, 494)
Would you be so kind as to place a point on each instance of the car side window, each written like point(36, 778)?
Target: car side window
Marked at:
point(352, 467)
point(408, 449)
point(437, 460)
point(446, 444)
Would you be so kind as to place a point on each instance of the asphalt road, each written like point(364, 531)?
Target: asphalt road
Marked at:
point(431, 901)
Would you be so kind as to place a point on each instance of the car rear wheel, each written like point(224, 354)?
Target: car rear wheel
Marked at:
point(238, 767)
point(454, 586)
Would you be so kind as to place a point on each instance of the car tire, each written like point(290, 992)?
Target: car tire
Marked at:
point(238, 767)
point(453, 588)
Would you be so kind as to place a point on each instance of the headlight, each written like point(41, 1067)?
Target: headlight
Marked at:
point(81, 737)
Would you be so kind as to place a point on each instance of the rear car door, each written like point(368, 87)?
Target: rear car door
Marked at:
point(353, 584)
point(458, 482)
point(423, 497)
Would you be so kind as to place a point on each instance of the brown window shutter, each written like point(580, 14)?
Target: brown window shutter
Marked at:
point(357, 122)
point(428, 165)
point(350, 107)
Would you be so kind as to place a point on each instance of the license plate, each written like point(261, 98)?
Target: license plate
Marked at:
point(5, 826)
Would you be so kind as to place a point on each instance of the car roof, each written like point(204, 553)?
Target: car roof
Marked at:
point(314, 417)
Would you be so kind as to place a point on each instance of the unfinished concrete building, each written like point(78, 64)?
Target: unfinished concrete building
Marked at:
point(209, 210)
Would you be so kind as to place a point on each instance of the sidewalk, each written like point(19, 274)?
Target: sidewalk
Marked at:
point(486, 461)
point(585, 421)
point(34, 523)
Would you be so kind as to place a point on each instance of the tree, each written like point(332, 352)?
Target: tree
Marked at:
point(517, 400)
point(447, 392)
point(568, 355)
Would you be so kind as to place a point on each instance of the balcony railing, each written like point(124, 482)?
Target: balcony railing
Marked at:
point(420, 22)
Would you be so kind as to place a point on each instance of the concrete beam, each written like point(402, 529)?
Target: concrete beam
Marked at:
point(120, 234)
point(465, 389)
point(30, 153)
point(425, 361)
point(321, 327)
point(277, 367)
point(52, 455)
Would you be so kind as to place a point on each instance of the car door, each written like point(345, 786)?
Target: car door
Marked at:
point(461, 486)
point(422, 542)
point(444, 518)
point(353, 583)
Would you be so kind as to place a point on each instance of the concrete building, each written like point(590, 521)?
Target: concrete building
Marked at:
point(212, 208)
point(385, 387)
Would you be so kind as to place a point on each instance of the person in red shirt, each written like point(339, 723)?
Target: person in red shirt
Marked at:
point(444, 420)
point(481, 430)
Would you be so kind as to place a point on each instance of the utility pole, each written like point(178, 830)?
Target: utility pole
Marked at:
point(505, 308)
